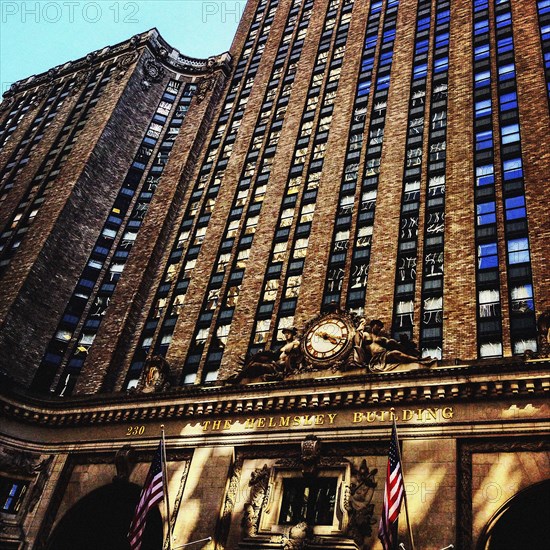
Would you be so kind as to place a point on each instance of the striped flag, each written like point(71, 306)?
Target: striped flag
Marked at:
point(151, 494)
point(393, 495)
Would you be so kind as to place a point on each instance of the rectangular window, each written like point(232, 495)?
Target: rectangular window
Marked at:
point(486, 213)
point(518, 251)
point(308, 500)
point(487, 256)
point(12, 492)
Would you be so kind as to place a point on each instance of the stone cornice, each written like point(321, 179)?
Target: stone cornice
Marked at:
point(508, 381)
point(162, 51)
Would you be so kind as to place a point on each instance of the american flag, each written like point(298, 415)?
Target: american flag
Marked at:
point(393, 495)
point(151, 494)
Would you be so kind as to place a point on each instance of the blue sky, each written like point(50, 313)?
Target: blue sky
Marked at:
point(36, 35)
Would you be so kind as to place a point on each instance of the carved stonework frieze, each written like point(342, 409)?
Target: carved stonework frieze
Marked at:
point(543, 330)
point(38, 487)
point(229, 504)
point(153, 73)
point(204, 85)
point(177, 503)
point(124, 62)
point(81, 78)
point(125, 460)
point(7, 103)
point(311, 455)
point(14, 461)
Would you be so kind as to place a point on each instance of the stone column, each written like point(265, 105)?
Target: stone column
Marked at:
point(203, 495)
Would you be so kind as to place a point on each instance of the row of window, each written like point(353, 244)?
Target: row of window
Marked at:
point(363, 215)
point(170, 295)
point(406, 268)
point(228, 272)
point(282, 286)
point(39, 187)
point(20, 156)
point(520, 298)
point(431, 326)
point(543, 10)
point(21, 106)
point(118, 233)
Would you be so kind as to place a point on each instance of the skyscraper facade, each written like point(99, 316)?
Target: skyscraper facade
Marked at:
point(276, 252)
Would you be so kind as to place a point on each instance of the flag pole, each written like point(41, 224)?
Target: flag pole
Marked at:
point(411, 540)
point(165, 481)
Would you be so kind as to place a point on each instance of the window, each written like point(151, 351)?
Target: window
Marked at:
point(510, 134)
point(293, 286)
point(487, 256)
point(515, 208)
point(518, 251)
point(12, 492)
point(522, 298)
point(513, 169)
point(486, 213)
point(309, 500)
point(270, 290)
point(262, 330)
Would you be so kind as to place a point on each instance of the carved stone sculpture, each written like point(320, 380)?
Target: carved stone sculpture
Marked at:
point(359, 503)
point(335, 340)
point(382, 354)
point(258, 494)
point(155, 376)
point(543, 327)
point(271, 365)
point(298, 536)
point(311, 455)
point(124, 462)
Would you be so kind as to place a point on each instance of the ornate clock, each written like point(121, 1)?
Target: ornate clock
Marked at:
point(328, 339)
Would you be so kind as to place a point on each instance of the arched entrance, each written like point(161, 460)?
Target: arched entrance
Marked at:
point(101, 520)
point(521, 523)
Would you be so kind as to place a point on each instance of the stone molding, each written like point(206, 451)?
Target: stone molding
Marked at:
point(454, 384)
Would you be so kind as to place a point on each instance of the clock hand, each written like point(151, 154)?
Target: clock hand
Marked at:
point(327, 336)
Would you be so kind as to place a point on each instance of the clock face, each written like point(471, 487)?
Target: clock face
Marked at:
point(327, 338)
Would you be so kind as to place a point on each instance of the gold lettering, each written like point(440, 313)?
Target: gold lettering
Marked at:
point(284, 421)
point(227, 424)
point(249, 423)
point(271, 424)
point(307, 420)
point(296, 420)
point(419, 414)
point(432, 413)
point(407, 415)
point(382, 414)
point(447, 413)
point(216, 425)
point(205, 425)
point(261, 422)
point(371, 416)
point(357, 417)
point(319, 419)
point(331, 417)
